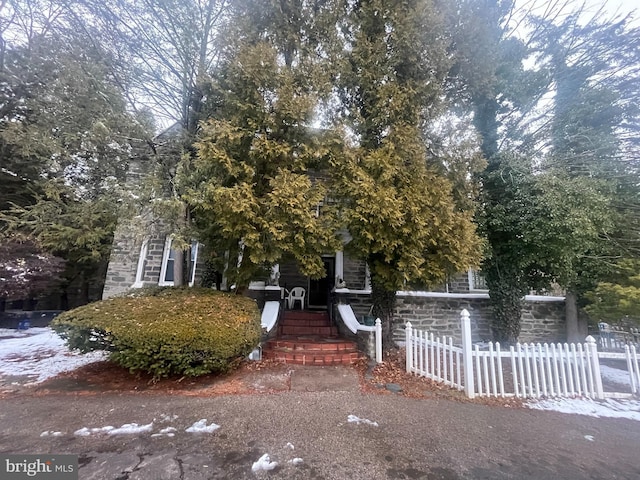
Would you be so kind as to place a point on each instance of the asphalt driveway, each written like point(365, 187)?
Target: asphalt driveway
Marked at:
point(322, 427)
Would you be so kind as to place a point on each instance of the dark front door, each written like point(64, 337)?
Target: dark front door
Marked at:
point(320, 289)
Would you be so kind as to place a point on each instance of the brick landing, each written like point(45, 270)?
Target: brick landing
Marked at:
point(308, 338)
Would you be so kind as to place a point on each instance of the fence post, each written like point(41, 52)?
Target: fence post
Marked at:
point(467, 358)
point(408, 347)
point(592, 347)
point(378, 340)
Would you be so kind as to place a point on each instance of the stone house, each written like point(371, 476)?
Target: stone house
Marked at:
point(147, 261)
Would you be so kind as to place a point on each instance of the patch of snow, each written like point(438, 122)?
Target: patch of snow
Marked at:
point(611, 408)
point(296, 461)
point(85, 432)
point(131, 429)
point(201, 427)
point(289, 445)
point(589, 437)
point(126, 429)
point(168, 432)
point(40, 353)
point(168, 418)
point(13, 333)
point(264, 463)
point(615, 375)
point(358, 421)
point(51, 433)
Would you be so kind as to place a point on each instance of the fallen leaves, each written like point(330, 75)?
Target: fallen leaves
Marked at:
point(392, 372)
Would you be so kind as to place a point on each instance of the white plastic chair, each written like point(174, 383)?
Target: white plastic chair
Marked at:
point(295, 294)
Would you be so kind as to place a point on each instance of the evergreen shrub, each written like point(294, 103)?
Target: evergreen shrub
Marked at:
point(171, 331)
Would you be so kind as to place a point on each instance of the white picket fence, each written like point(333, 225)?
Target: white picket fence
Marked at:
point(524, 371)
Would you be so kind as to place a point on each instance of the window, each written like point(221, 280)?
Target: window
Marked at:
point(166, 270)
point(168, 261)
point(194, 261)
point(477, 281)
point(142, 260)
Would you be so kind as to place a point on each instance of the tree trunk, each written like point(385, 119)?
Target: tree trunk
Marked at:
point(178, 268)
point(384, 305)
point(573, 329)
point(506, 296)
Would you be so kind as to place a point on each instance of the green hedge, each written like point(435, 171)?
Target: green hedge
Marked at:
point(171, 331)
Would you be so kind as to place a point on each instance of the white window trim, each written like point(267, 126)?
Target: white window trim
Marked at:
point(472, 286)
point(144, 248)
point(165, 257)
point(367, 277)
point(194, 262)
point(339, 268)
point(163, 267)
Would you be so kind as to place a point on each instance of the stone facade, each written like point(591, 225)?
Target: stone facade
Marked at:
point(123, 264)
point(543, 318)
point(290, 276)
point(458, 283)
point(354, 273)
point(124, 261)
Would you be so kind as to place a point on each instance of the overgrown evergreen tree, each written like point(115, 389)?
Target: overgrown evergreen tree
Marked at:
point(260, 172)
point(66, 141)
point(618, 297)
point(396, 204)
point(514, 123)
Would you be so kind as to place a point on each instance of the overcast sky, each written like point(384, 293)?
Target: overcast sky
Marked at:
point(613, 7)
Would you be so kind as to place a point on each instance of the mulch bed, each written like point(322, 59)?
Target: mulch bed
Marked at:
point(103, 377)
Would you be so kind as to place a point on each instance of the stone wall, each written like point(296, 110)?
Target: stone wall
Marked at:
point(153, 260)
point(354, 271)
point(543, 318)
point(123, 263)
point(458, 283)
point(290, 275)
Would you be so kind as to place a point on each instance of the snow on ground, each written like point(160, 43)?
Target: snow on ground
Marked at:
point(201, 427)
point(134, 428)
point(39, 353)
point(264, 463)
point(166, 432)
point(126, 429)
point(612, 408)
point(358, 421)
point(614, 375)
